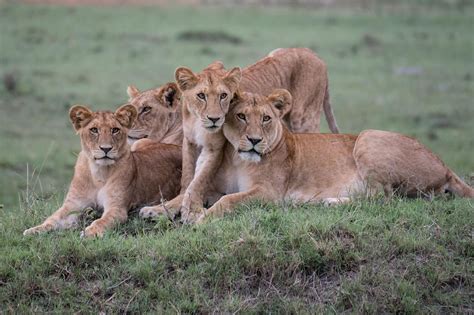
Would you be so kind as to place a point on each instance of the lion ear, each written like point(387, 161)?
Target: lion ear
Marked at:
point(132, 91)
point(168, 96)
point(185, 78)
point(126, 115)
point(281, 100)
point(232, 79)
point(80, 116)
point(237, 98)
point(216, 65)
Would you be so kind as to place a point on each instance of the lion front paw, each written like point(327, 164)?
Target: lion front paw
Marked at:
point(202, 218)
point(43, 228)
point(92, 231)
point(190, 217)
point(328, 202)
point(151, 212)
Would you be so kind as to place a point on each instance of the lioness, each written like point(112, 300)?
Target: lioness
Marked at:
point(111, 175)
point(297, 69)
point(159, 114)
point(263, 160)
point(206, 98)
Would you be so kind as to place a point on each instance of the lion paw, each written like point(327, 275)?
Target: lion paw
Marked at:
point(328, 202)
point(201, 219)
point(38, 229)
point(151, 212)
point(92, 231)
point(190, 217)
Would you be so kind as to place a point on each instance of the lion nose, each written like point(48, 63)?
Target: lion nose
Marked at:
point(213, 119)
point(254, 141)
point(106, 149)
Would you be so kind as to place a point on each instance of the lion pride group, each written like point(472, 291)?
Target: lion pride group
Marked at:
point(211, 140)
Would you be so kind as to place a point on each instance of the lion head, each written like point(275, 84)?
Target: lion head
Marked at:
point(207, 94)
point(103, 134)
point(155, 108)
point(253, 124)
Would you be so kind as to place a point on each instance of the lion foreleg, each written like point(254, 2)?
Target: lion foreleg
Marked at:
point(65, 217)
point(112, 215)
point(228, 202)
point(206, 166)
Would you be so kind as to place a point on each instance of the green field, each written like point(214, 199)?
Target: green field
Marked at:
point(408, 69)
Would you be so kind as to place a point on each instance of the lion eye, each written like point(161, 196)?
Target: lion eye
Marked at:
point(201, 96)
point(266, 118)
point(94, 130)
point(115, 130)
point(241, 116)
point(146, 109)
point(223, 96)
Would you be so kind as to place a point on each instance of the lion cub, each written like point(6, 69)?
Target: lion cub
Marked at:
point(263, 160)
point(159, 114)
point(110, 174)
point(205, 97)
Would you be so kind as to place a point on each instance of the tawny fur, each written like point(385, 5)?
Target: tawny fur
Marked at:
point(159, 114)
point(130, 177)
point(304, 75)
point(326, 168)
point(298, 70)
point(401, 164)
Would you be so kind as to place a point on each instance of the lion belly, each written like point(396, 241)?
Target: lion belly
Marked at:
point(324, 167)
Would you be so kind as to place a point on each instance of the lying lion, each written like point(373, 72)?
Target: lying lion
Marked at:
point(296, 69)
point(206, 98)
point(159, 114)
point(111, 175)
point(263, 160)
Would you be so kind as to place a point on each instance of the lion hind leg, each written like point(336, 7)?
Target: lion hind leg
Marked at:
point(457, 186)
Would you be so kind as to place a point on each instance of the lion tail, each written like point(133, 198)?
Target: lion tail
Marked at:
point(458, 187)
point(329, 113)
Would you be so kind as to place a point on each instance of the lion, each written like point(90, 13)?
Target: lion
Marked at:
point(203, 139)
point(159, 114)
point(160, 120)
point(206, 98)
point(110, 174)
point(264, 160)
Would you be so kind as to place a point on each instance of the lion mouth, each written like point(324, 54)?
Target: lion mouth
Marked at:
point(105, 158)
point(250, 151)
point(213, 128)
point(138, 137)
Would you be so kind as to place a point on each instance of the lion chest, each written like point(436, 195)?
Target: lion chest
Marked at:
point(195, 133)
point(240, 181)
point(230, 180)
point(101, 197)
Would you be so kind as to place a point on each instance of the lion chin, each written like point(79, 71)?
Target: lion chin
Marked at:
point(250, 156)
point(104, 162)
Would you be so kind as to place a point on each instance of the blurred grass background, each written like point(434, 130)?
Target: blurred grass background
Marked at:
point(405, 66)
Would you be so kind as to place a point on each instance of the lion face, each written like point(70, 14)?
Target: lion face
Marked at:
point(154, 108)
point(207, 95)
point(103, 134)
point(253, 124)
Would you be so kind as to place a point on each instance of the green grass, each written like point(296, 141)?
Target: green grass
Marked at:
point(405, 257)
point(404, 70)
